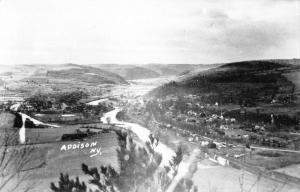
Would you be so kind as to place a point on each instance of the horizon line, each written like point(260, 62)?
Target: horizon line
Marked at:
point(154, 63)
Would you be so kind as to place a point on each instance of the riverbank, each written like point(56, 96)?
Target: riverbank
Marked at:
point(142, 132)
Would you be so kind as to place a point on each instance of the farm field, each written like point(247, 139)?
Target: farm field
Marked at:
point(49, 134)
point(293, 170)
point(56, 160)
point(217, 178)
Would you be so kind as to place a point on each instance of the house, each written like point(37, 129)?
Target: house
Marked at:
point(69, 117)
point(63, 106)
point(259, 129)
point(192, 113)
point(236, 133)
point(224, 127)
point(232, 120)
point(222, 161)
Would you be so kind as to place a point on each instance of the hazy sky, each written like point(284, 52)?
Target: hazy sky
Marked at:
point(147, 31)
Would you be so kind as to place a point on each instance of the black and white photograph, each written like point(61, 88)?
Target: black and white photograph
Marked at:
point(149, 95)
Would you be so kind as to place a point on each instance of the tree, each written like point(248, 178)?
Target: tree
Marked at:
point(71, 98)
point(15, 159)
point(176, 160)
point(39, 102)
point(139, 171)
point(66, 184)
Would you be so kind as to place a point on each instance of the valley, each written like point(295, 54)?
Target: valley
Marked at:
point(237, 123)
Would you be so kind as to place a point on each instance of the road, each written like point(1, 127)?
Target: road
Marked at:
point(274, 149)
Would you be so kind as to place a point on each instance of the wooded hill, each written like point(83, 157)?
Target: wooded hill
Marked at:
point(247, 82)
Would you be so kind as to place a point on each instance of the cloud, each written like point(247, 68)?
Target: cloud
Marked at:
point(249, 39)
point(142, 31)
point(235, 33)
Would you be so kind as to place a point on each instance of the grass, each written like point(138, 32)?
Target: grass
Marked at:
point(272, 160)
point(55, 161)
point(293, 170)
point(227, 179)
point(269, 154)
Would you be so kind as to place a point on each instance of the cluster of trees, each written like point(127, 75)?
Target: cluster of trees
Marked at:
point(157, 113)
point(70, 102)
point(280, 120)
point(122, 116)
point(45, 102)
point(139, 171)
point(244, 85)
point(39, 102)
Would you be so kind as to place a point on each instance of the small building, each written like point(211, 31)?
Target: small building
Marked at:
point(236, 133)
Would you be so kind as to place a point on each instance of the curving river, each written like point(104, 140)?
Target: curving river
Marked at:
point(185, 169)
point(142, 132)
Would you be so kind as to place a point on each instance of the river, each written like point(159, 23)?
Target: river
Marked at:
point(142, 132)
point(204, 175)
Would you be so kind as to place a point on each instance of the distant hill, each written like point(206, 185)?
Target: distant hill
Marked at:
point(106, 73)
point(198, 68)
point(239, 82)
point(170, 69)
point(285, 61)
point(87, 74)
point(24, 80)
point(74, 72)
point(129, 72)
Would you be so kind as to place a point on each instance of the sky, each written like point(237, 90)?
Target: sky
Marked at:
point(147, 31)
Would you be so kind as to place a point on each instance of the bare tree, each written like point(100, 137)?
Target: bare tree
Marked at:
point(15, 159)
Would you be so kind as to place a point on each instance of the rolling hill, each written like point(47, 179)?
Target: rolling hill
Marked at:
point(87, 74)
point(248, 82)
point(25, 80)
point(129, 72)
point(74, 72)
point(170, 69)
point(132, 72)
point(102, 73)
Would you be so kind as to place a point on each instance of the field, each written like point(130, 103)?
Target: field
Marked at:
point(293, 170)
point(26, 80)
point(54, 160)
point(272, 160)
point(215, 178)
